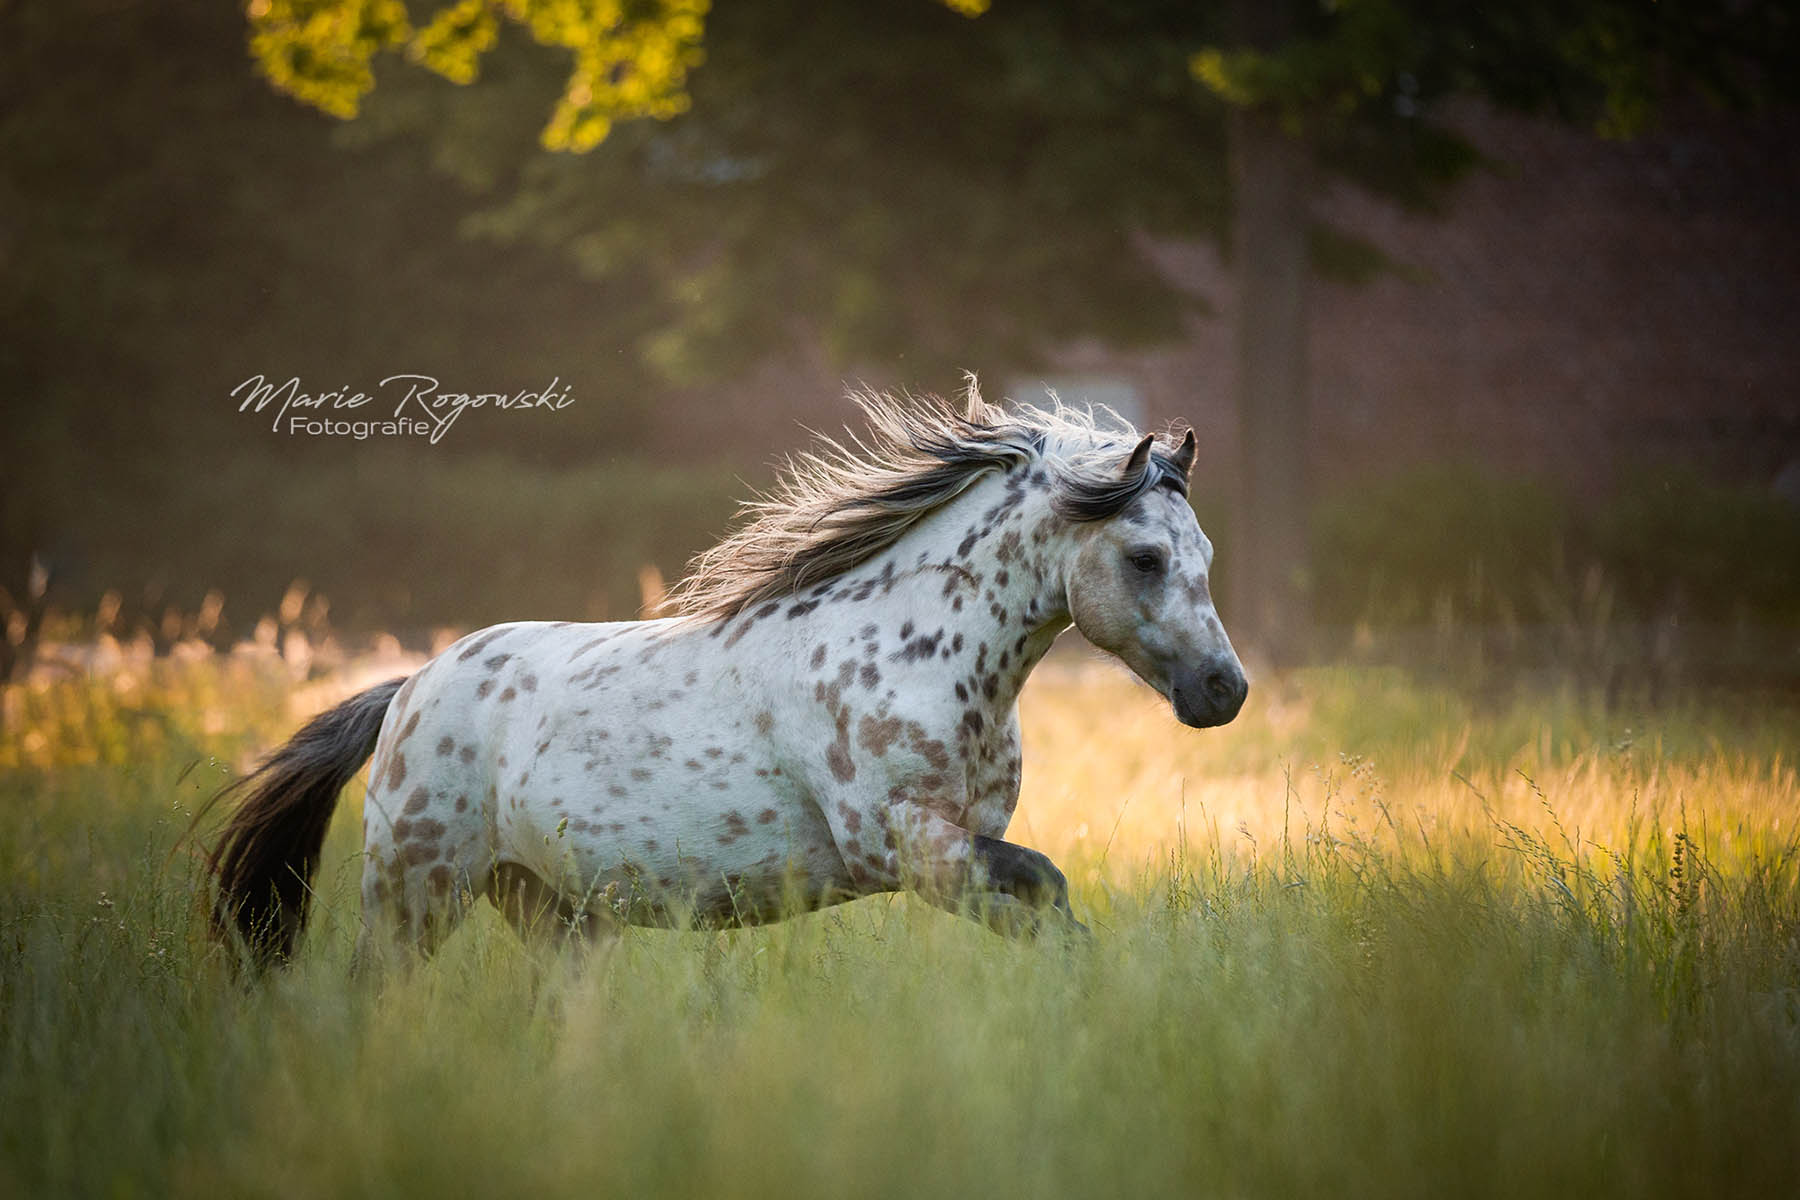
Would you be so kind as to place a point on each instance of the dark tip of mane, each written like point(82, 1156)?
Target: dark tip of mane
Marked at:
point(1080, 498)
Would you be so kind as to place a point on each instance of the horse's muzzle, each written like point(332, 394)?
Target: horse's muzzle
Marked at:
point(1208, 695)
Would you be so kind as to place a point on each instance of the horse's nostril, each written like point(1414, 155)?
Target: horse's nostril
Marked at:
point(1218, 686)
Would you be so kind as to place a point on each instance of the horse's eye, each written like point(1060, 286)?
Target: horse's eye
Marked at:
point(1147, 561)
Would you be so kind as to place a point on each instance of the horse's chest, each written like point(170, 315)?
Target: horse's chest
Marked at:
point(993, 772)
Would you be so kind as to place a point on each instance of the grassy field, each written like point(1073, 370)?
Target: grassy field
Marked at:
point(1368, 940)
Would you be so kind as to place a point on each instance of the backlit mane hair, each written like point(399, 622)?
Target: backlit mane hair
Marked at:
point(842, 502)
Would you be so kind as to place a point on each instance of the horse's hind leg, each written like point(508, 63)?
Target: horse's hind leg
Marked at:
point(538, 911)
point(410, 907)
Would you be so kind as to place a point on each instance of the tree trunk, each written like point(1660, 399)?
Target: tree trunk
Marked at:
point(1267, 563)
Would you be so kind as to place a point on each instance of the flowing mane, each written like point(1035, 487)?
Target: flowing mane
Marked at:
point(840, 503)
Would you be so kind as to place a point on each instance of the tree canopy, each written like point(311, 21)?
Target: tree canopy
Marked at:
point(629, 60)
point(905, 184)
point(890, 179)
point(913, 190)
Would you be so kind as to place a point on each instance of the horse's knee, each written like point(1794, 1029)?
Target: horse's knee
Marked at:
point(1023, 873)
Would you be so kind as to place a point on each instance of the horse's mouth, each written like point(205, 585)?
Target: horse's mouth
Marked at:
point(1205, 700)
point(1203, 718)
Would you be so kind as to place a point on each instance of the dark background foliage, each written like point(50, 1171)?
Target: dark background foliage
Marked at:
point(888, 191)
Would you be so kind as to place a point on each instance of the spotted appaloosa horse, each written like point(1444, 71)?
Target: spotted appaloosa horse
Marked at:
point(833, 714)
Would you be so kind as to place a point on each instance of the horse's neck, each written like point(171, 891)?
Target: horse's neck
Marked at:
point(989, 567)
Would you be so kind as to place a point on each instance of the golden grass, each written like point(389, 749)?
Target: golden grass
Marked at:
point(1372, 939)
point(1110, 773)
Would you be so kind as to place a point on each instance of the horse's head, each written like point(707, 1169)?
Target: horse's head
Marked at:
point(1138, 588)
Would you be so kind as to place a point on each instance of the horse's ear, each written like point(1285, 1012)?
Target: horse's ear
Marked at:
point(1140, 458)
point(1184, 455)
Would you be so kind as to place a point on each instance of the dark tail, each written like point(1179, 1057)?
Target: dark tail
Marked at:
point(265, 859)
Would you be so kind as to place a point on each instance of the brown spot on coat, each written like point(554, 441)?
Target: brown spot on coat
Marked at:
point(478, 645)
point(837, 755)
point(396, 772)
point(838, 758)
point(735, 828)
point(930, 749)
point(599, 641)
point(426, 831)
point(416, 802)
point(876, 735)
point(445, 745)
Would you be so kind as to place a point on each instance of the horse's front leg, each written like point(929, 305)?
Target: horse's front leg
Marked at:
point(1019, 889)
point(1013, 890)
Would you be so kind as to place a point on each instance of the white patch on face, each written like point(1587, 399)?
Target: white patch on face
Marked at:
point(1140, 589)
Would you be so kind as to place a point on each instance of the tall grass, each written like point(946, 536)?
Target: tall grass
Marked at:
point(1368, 940)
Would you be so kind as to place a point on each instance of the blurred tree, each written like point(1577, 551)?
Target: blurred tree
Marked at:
point(898, 182)
point(170, 226)
point(1355, 87)
point(905, 185)
point(630, 60)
